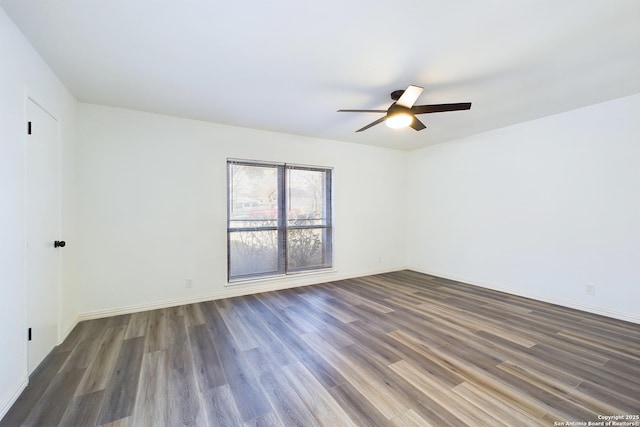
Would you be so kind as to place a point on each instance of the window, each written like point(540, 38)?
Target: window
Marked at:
point(278, 220)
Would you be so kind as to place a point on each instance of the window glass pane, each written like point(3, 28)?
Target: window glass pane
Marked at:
point(253, 194)
point(253, 253)
point(308, 248)
point(306, 197)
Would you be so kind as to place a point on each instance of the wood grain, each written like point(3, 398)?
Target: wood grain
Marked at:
point(395, 349)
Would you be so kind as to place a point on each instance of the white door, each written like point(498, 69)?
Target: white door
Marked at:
point(43, 227)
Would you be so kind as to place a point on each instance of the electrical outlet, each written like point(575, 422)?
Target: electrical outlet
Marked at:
point(188, 283)
point(590, 289)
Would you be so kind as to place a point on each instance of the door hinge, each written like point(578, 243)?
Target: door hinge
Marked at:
point(29, 334)
point(28, 128)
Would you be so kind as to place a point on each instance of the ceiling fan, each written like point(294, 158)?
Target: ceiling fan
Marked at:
point(402, 112)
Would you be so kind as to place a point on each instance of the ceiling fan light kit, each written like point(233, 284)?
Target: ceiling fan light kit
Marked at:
point(399, 117)
point(401, 113)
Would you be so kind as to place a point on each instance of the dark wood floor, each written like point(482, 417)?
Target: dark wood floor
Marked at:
point(397, 349)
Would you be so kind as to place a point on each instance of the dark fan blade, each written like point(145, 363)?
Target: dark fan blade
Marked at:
point(362, 111)
point(439, 108)
point(380, 120)
point(417, 124)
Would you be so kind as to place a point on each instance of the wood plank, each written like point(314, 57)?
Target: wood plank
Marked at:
point(156, 331)
point(247, 393)
point(53, 403)
point(221, 408)
point(330, 306)
point(83, 410)
point(100, 369)
point(269, 419)
point(193, 315)
point(506, 413)
point(326, 411)
point(122, 422)
point(299, 350)
point(266, 338)
point(357, 406)
point(120, 394)
point(628, 403)
point(553, 386)
point(151, 408)
point(239, 328)
point(460, 408)
point(82, 354)
point(375, 389)
point(206, 364)
point(403, 390)
point(285, 401)
point(83, 330)
point(138, 325)
point(184, 401)
point(410, 419)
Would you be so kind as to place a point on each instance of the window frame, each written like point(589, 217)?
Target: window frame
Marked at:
point(282, 227)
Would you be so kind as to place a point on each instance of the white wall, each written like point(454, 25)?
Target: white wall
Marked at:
point(23, 72)
point(152, 206)
point(539, 209)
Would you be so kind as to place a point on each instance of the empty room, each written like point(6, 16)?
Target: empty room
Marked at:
point(344, 213)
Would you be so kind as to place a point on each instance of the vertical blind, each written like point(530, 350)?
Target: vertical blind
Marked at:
point(279, 219)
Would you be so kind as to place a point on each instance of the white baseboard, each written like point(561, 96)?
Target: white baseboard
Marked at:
point(594, 309)
point(8, 400)
point(234, 290)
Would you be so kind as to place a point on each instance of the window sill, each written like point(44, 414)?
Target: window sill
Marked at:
point(282, 277)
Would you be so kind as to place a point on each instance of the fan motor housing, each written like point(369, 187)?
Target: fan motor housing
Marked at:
point(396, 94)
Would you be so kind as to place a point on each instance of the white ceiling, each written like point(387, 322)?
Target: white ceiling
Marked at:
point(288, 65)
